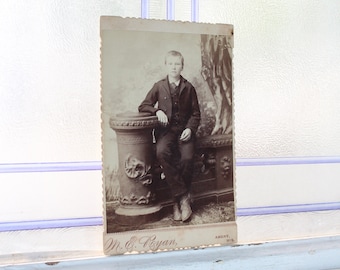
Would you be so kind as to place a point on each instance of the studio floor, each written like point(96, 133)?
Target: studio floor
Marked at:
point(202, 214)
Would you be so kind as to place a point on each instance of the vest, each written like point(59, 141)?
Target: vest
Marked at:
point(175, 119)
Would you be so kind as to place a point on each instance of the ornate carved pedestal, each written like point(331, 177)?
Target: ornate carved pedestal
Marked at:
point(214, 167)
point(135, 152)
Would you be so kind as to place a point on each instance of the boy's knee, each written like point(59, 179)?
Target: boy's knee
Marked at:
point(187, 156)
point(186, 160)
point(162, 154)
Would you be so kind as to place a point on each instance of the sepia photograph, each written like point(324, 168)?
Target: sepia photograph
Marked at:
point(167, 135)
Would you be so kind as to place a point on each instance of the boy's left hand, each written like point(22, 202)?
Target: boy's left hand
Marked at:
point(186, 135)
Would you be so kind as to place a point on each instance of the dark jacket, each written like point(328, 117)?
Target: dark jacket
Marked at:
point(189, 111)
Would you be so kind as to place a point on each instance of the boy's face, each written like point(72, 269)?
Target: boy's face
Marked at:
point(174, 66)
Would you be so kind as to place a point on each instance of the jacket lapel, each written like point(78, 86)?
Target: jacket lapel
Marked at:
point(181, 85)
point(165, 86)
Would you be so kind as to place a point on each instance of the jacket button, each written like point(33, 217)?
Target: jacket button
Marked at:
point(164, 97)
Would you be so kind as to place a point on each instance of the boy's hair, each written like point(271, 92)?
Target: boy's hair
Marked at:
point(175, 53)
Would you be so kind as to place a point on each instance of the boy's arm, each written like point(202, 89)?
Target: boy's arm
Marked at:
point(148, 104)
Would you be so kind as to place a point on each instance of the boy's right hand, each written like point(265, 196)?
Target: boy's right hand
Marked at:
point(162, 118)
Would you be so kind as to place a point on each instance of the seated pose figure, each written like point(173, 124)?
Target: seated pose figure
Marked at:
point(179, 115)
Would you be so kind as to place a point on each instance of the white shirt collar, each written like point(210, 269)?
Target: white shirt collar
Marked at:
point(176, 82)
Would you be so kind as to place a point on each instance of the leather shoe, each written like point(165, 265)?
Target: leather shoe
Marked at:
point(185, 207)
point(177, 212)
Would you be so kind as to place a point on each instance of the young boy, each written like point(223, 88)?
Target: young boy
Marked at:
point(179, 116)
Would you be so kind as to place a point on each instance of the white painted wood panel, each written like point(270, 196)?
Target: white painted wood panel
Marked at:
point(280, 227)
point(51, 195)
point(50, 245)
point(277, 185)
point(286, 104)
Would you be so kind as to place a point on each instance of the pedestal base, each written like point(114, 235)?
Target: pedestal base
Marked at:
point(137, 216)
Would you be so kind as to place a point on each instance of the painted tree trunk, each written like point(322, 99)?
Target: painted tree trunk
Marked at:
point(217, 72)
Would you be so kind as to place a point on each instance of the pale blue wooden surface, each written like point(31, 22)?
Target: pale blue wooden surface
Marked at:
point(316, 253)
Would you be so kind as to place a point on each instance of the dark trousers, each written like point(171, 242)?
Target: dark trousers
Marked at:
point(176, 159)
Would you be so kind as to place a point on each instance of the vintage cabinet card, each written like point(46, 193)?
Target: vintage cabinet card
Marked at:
point(167, 135)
